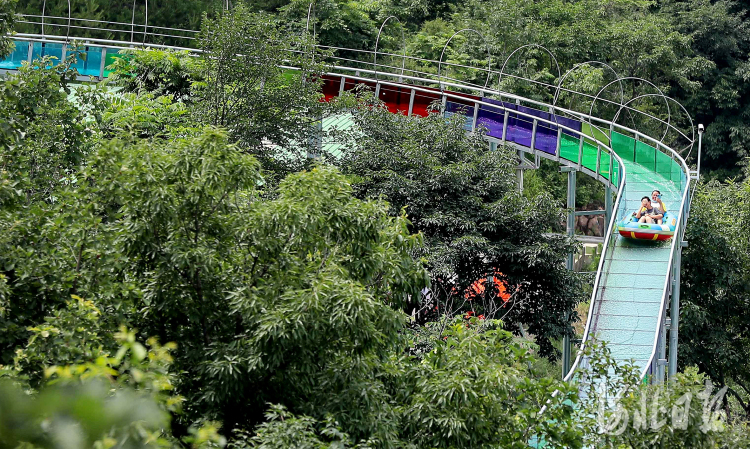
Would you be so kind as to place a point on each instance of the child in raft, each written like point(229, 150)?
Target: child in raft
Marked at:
point(658, 205)
point(648, 214)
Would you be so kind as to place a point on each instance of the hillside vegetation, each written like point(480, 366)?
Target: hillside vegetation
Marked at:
point(177, 271)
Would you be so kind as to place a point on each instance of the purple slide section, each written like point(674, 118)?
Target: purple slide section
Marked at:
point(520, 127)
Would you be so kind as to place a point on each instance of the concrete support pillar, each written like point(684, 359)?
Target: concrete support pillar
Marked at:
point(475, 117)
point(319, 139)
point(102, 63)
point(316, 141)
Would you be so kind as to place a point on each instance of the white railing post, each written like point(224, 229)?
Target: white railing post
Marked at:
point(102, 63)
point(474, 119)
point(505, 126)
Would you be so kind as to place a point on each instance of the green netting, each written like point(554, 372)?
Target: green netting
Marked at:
point(589, 156)
point(604, 164)
point(624, 146)
point(678, 176)
point(111, 56)
point(569, 148)
point(663, 165)
point(645, 155)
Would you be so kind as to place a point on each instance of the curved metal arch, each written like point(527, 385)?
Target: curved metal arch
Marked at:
point(692, 125)
point(70, 18)
point(145, 24)
point(634, 78)
point(502, 69)
point(44, 8)
point(67, 31)
point(132, 24)
point(377, 41)
point(579, 65)
point(489, 56)
point(310, 11)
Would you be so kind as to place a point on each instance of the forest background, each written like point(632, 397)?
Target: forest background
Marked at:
point(695, 51)
point(283, 293)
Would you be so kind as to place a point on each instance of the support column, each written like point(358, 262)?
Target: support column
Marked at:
point(675, 312)
point(315, 150)
point(519, 177)
point(319, 139)
point(662, 361)
point(569, 262)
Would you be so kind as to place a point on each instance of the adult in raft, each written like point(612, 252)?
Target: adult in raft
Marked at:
point(652, 209)
point(658, 206)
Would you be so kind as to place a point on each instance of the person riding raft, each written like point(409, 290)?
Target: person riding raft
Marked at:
point(652, 209)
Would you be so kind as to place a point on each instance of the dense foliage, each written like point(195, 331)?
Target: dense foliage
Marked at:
point(481, 236)
point(716, 277)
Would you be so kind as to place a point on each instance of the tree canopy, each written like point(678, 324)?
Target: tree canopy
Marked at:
point(177, 271)
point(481, 235)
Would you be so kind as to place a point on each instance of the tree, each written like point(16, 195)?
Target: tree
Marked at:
point(184, 14)
point(155, 72)
point(267, 109)
point(45, 136)
point(104, 400)
point(714, 328)
point(263, 296)
point(719, 33)
point(477, 227)
point(7, 19)
point(461, 390)
point(616, 409)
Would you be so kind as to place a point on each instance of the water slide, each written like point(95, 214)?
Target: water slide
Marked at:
point(634, 279)
point(633, 282)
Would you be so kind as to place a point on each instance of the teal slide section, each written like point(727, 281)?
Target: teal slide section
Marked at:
point(627, 306)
